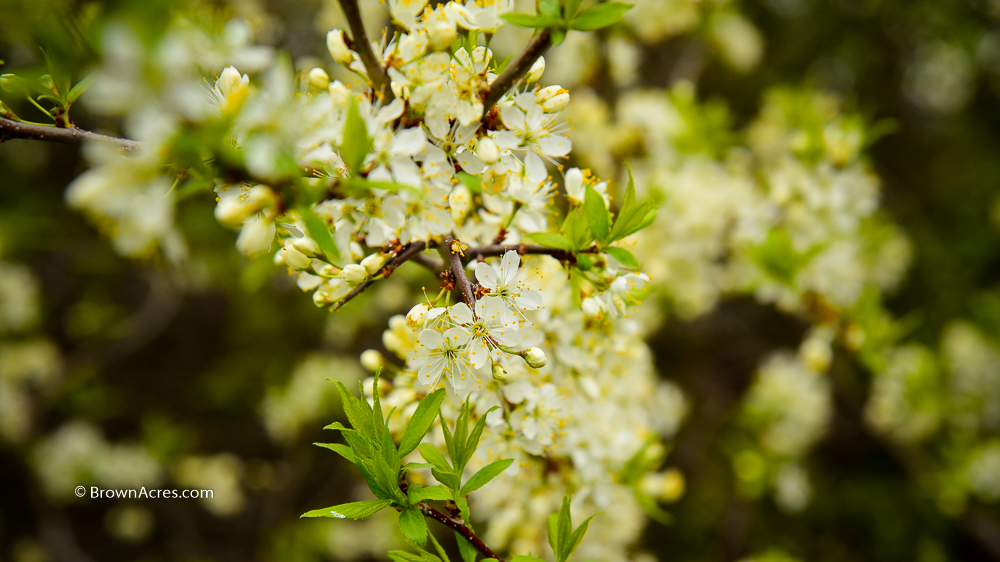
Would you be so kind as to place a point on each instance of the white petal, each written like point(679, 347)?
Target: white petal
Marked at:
point(470, 163)
point(456, 337)
point(507, 140)
point(461, 313)
point(409, 142)
point(508, 267)
point(431, 339)
point(535, 168)
point(529, 300)
point(555, 145)
point(507, 337)
point(486, 275)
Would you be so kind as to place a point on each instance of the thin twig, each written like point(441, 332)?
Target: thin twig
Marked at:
point(14, 130)
point(402, 257)
point(517, 68)
point(377, 74)
point(461, 528)
point(429, 262)
point(526, 249)
point(454, 260)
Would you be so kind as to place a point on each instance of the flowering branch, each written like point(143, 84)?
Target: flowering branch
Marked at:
point(461, 528)
point(14, 130)
point(517, 68)
point(408, 253)
point(364, 49)
point(452, 251)
point(526, 249)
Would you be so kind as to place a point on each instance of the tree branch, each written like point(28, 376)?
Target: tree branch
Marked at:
point(376, 73)
point(526, 249)
point(14, 130)
point(517, 68)
point(408, 253)
point(461, 528)
point(429, 262)
point(454, 259)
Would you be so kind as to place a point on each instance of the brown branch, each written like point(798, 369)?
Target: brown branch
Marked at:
point(429, 262)
point(454, 259)
point(377, 74)
point(14, 130)
point(517, 68)
point(527, 249)
point(406, 254)
point(460, 527)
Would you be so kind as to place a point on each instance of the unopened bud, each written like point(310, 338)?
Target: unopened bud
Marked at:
point(552, 98)
point(499, 374)
point(48, 83)
point(256, 236)
point(11, 84)
point(373, 263)
point(295, 259)
point(416, 317)
point(535, 358)
point(372, 360)
point(442, 34)
point(307, 246)
point(536, 70)
point(338, 47)
point(592, 308)
point(319, 79)
point(353, 274)
point(487, 151)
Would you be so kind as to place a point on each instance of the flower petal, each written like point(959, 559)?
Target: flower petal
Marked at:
point(486, 275)
point(461, 313)
point(508, 267)
point(431, 339)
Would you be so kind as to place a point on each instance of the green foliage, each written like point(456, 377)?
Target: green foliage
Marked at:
point(355, 510)
point(560, 18)
point(563, 538)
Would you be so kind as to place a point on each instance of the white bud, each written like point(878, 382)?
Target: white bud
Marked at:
point(536, 70)
point(499, 374)
point(372, 263)
point(487, 151)
point(307, 246)
point(416, 317)
point(232, 212)
point(356, 251)
point(353, 274)
point(319, 79)
point(552, 98)
point(535, 357)
point(817, 354)
point(295, 259)
point(442, 34)
point(460, 201)
point(338, 47)
point(593, 308)
point(372, 360)
point(340, 96)
point(255, 237)
point(279, 257)
point(229, 80)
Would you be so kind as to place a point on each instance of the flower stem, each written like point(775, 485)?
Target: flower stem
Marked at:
point(377, 75)
point(517, 68)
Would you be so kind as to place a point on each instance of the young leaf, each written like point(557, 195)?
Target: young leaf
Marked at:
point(416, 465)
point(523, 558)
point(597, 214)
point(584, 263)
point(433, 456)
point(359, 413)
point(82, 86)
point(403, 556)
point(342, 450)
point(319, 231)
point(411, 522)
point(529, 20)
point(477, 432)
point(560, 530)
point(438, 548)
point(550, 8)
point(576, 229)
point(633, 215)
point(485, 474)
point(558, 36)
point(466, 549)
point(551, 240)
point(470, 181)
point(577, 536)
point(356, 142)
point(461, 436)
point(601, 15)
point(624, 256)
point(417, 494)
point(421, 421)
point(355, 510)
point(571, 7)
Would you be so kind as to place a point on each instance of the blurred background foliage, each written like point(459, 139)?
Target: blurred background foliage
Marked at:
point(212, 373)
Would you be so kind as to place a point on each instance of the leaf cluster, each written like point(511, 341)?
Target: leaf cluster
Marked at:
point(561, 17)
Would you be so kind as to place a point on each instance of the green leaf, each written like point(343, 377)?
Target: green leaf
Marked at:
point(577, 536)
point(443, 471)
point(498, 68)
point(576, 229)
point(653, 509)
point(477, 432)
point(421, 421)
point(524, 558)
point(551, 240)
point(81, 87)
point(571, 7)
point(597, 214)
point(560, 529)
point(550, 8)
point(601, 15)
point(457, 447)
point(485, 474)
point(633, 215)
point(319, 231)
point(558, 36)
point(359, 413)
point(470, 181)
point(584, 262)
point(529, 20)
point(624, 256)
point(342, 450)
point(411, 522)
point(403, 556)
point(465, 548)
point(355, 510)
point(416, 465)
point(438, 548)
point(417, 494)
point(356, 142)
point(59, 74)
